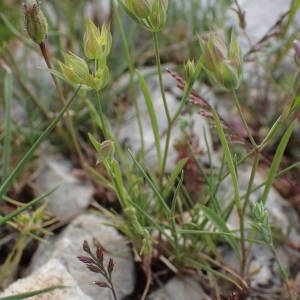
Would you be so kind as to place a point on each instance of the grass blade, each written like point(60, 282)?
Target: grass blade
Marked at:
point(217, 221)
point(28, 155)
point(8, 85)
point(276, 160)
point(170, 183)
point(33, 293)
point(161, 200)
point(152, 116)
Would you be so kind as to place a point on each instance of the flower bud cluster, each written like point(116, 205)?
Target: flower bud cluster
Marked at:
point(97, 46)
point(223, 65)
point(151, 14)
point(260, 222)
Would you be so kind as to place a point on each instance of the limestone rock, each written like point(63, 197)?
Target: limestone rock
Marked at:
point(53, 273)
point(72, 195)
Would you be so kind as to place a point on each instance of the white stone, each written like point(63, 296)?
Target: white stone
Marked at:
point(261, 15)
point(72, 195)
point(53, 273)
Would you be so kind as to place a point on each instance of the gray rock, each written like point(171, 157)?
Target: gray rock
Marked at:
point(51, 274)
point(261, 15)
point(68, 245)
point(180, 288)
point(71, 197)
point(263, 267)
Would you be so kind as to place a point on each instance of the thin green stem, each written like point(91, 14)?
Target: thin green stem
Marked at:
point(245, 205)
point(113, 291)
point(251, 181)
point(45, 55)
point(183, 101)
point(102, 117)
point(131, 73)
point(169, 126)
point(8, 92)
point(237, 104)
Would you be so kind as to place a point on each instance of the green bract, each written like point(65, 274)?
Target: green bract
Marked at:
point(97, 44)
point(100, 79)
point(75, 69)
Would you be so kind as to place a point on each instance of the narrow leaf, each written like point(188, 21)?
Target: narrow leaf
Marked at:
point(33, 293)
point(170, 183)
point(276, 160)
point(217, 221)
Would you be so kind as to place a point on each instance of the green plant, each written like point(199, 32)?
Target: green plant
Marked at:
point(159, 213)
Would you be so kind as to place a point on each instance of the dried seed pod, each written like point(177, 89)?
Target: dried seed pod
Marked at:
point(35, 22)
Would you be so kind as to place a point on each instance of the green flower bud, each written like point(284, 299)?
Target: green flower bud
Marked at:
point(75, 69)
point(189, 69)
point(158, 15)
point(151, 14)
point(35, 22)
point(222, 66)
point(140, 8)
point(97, 44)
